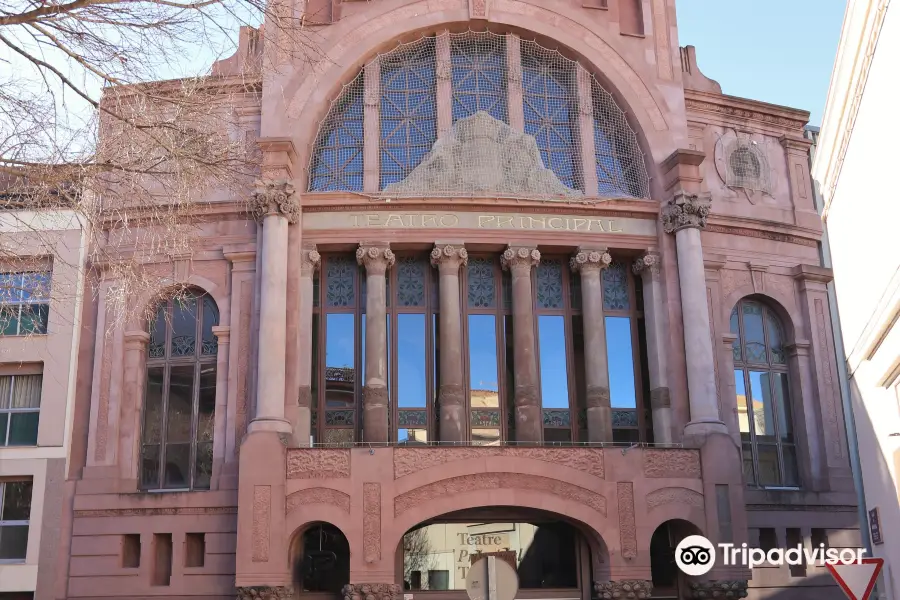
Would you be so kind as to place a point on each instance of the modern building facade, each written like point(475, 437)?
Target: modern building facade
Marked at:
point(41, 288)
point(848, 171)
point(516, 278)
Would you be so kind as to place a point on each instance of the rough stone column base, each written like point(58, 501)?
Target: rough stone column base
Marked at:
point(702, 590)
point(372, 591)
point(265, 593)
point(696, 432)
point(626, 589)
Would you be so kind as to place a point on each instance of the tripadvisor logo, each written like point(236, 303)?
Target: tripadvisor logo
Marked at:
point(696, 555)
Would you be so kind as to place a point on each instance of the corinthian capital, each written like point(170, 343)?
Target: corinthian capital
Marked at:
point(309, 261)
point(521, 256)
point(684, 211)
point(449, 257)
point(275, 197)
point(589, 260)
point(649, 263)
point(376, 259)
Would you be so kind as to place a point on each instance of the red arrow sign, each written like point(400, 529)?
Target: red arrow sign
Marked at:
point(857, 579)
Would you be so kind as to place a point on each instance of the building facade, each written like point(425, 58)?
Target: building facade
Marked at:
point(846, 169)
point(41, 282)
point(516, 278)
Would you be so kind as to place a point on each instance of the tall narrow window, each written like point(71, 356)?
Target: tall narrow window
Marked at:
point(553, 320)
point(15, 514)
point(338, 161)
point(179, 408)
point(487, 336)
point(622, 350)
point(20, 409)
point(24, 303)
point(763, 397)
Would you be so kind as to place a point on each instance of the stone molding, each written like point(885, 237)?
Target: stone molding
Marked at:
point(275, 197)
point(451, 394)
point(376, 259)
point(660, 398)
point(597, 396)
point(263, 592)
point(649, 263)
point(520, 257)
point(137, 339)
point(371, 591)
point(700, 590)
point(414, 460)
point(222, 333)
point(310, 261)
point(450, 257)
point(590, 260)
point(685, 211)
point(627, 589)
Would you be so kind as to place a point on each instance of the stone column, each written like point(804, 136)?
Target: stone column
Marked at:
point(647, 267)
point(520, 260)
point(685, 215)
point(275, 205)
point(451, 395)
point(377, 259)
point(134, 384)
point(309, 262)
point(223, 341)
point(590, 264)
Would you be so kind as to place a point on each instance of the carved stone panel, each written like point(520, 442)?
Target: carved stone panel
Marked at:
point(672, 463)
point(413, 460)
point(627, 528)
point(318, 463)
point(372, 522)
point(317, 495)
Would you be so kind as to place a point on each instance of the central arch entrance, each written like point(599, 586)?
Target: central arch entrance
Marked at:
point(552, 555)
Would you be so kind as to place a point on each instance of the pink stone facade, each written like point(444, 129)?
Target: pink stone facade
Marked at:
point(702, 240)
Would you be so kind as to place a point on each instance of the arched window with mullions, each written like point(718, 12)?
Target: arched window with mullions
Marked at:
point(763, 396)
point(180, 401)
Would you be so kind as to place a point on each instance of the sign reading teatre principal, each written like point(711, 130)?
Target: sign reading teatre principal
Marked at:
point(478, 220)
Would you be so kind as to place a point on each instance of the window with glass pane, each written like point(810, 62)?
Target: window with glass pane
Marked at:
point(478, 76)
point(622, 352)
point(15, 513)
point(763, 396)
point(24, 303)
point(338, 161)
point(20, 409)
point(180, 400)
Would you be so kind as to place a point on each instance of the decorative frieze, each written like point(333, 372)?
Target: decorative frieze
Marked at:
point(376, 259)
point(649, 263)
point(521, 256)
point(685, 211)
point(718, 589)
point(585, 260)
point(449, 257)
point(628, 589)
point(275, 197)
point(371, 591)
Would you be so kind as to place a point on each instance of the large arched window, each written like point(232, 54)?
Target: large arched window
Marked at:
point(180, 403)
point(763, 396)
point(414, 94)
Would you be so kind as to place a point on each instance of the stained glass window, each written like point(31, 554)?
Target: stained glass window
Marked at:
point(549, 284)
point(180, 399)
point(615, 287)
point(340, 280)
point(621, 170)
point(411, 274)
point(480, 275)
point(763, 396)
point(338, 161)
point(478, 76)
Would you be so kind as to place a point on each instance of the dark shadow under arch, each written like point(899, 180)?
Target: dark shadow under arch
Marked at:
point(319, 556)
point(667, 579)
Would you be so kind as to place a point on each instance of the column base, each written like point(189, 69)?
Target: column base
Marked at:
point(702, 590)
point(696, 432)
point(264, 592)
point(269, 424)
point(371, 591)
point(628, 589)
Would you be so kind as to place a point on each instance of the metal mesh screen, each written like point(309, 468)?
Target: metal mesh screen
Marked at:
point(746, 165)
point(476, 114)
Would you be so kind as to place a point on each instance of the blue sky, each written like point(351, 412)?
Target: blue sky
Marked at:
point(778, 51)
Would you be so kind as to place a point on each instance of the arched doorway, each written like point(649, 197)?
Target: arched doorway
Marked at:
point(668, 581)
point(320, 561)
point(551, 554)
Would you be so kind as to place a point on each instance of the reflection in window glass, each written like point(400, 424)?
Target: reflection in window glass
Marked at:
point(621, 362)
point(741, 393)
point(554, 377)
point(483, 361)
point(761, 401)
point(339, 361)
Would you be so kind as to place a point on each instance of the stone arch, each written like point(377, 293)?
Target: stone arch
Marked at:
point(775, 300)
point(329, 564)
point(662, 542)
point(168, 285)
point(680, 510)
point(309, 92)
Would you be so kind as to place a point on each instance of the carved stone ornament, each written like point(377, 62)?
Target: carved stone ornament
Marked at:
point(265, 593)
point(275, 197)
point(718, 589)
point(586, 260)
point(310, 259)
point(451, 394)
point(626, 589)
point(521, 256)
point(597, 396)
point(482, 156)
point(648, 263)
point(371, 591)
point(684, 211)
point(449, 255)
point(376, 259)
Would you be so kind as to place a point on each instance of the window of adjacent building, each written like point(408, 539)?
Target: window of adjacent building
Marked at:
point(24, 303)
point(15, 513)
point(20, 409)
point(545, 554)
point(484, 72)
point(179, 407)
point(763, 396)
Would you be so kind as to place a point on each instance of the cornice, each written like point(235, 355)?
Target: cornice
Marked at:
point(732, 107)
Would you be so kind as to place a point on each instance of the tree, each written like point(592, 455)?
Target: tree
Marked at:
point(110, 115)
